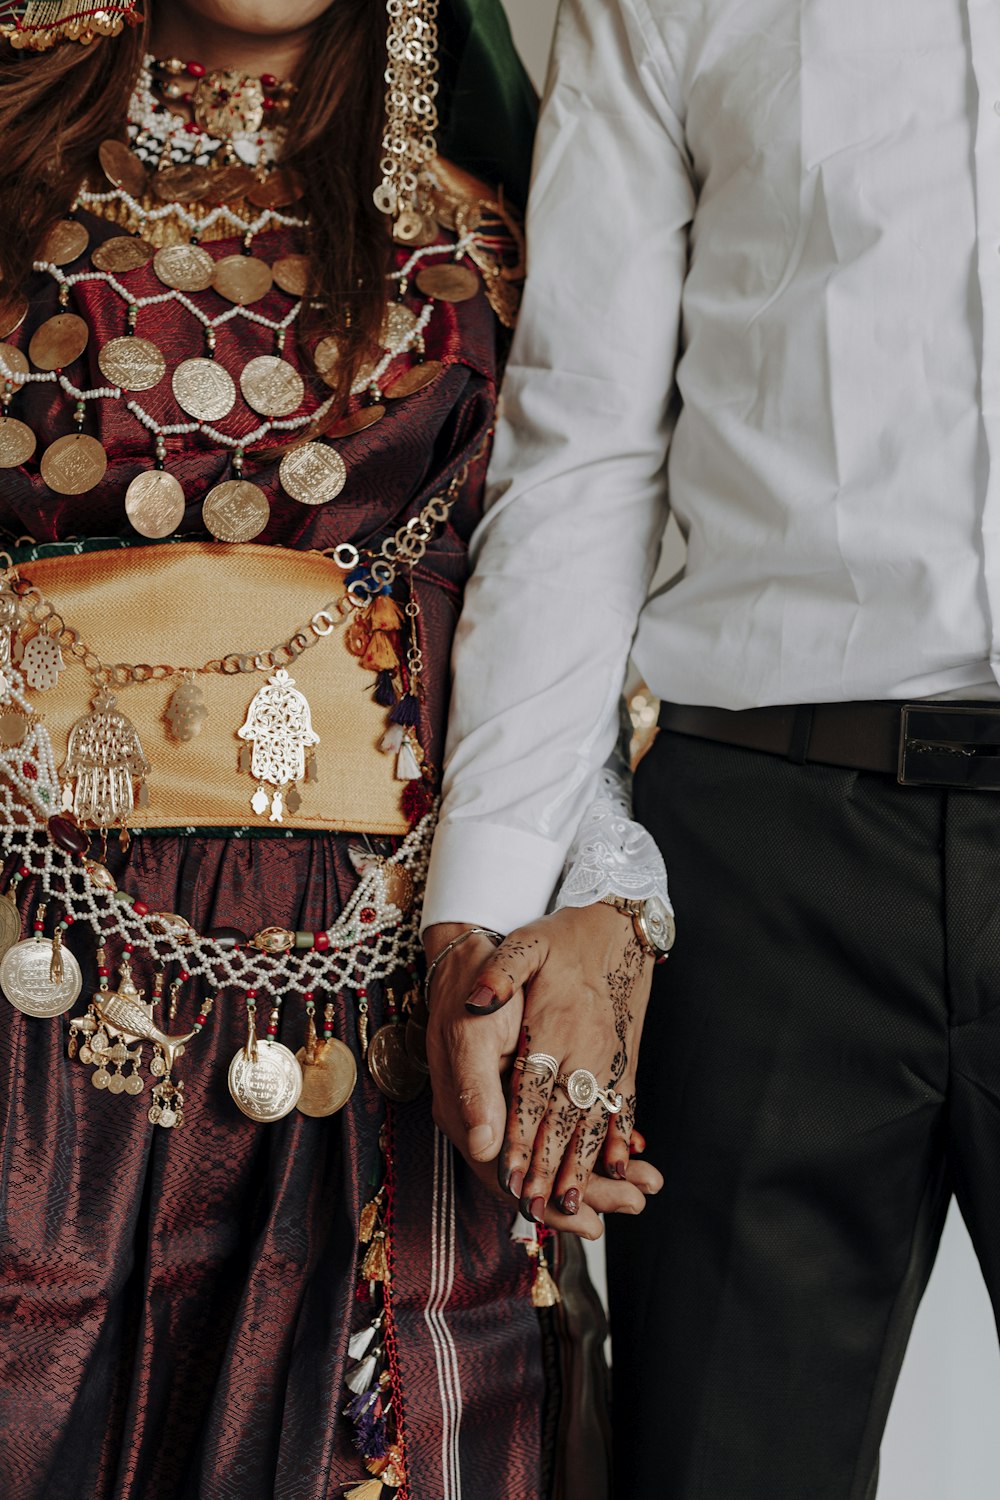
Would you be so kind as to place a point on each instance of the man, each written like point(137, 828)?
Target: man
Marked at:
point(765, 287)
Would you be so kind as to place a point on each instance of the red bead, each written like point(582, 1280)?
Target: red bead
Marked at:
point(321, 941)
point(196, 70)
point(185, 975)
point(308, 995)
point(128, 948)
point(140, 908)
point(251, 994)
point(367, 914)
point(267, 102)
point(269, 81)
point(68, 920)
point(362, 994)
point(272, 1031)
point(38, 926)
point(30, 771)
point(201, 1020)
point(192, 127)
point(25, 872)
point(68, 835)
point(103, 973)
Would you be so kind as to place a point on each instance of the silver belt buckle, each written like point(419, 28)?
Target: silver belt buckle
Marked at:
point(950, 745)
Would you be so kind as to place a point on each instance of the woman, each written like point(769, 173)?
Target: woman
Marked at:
point(250, 332)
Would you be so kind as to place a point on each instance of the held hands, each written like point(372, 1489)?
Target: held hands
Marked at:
point(573, 985)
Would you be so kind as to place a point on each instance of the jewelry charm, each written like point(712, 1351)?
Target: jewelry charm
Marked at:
point(106, 759)
point(279, 727)
point(42, 662)
point(265, 1079)
point(187, 710)
point(411, 118)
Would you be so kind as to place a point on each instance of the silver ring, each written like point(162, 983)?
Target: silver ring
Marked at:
point(538, 1062)
point(584, 1091)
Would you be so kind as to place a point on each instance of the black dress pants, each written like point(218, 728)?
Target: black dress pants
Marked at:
point(820, 1071)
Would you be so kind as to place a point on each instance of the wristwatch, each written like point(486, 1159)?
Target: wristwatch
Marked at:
point(653, 922)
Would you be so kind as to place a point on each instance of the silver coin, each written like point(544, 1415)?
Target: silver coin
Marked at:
point(268, 1087)
point(26, 980)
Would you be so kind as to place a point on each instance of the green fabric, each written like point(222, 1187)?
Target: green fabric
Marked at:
point(487, 105)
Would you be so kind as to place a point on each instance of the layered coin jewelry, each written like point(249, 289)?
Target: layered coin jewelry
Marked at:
point(37, 25)
point(409, 144)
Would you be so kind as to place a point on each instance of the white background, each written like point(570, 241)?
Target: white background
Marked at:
point(943, 1439)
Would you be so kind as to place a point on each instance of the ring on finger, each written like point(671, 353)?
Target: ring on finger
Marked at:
point(584, 1091)
point(538, 1062)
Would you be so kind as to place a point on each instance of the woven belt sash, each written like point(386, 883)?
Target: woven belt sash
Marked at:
point(189, 602)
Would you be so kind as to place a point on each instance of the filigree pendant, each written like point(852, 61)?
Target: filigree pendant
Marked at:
point(42, 662)
point(105, 766)
point(279, 728)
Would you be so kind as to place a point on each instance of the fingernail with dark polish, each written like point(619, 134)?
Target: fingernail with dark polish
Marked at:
point(618, 1170)
point(482, 999)
point(571, 1201)
point(515, 1183)
point(535, 1209)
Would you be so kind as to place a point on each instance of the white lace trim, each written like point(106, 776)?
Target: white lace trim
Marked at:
point(612, 855)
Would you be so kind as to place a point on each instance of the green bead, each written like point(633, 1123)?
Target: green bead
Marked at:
point(124, 897)
point(304, 940)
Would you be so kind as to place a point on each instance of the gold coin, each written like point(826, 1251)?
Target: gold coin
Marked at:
point(122, 168)
point(187, 184)
point(236, 511)
point(278, 190)
point(58, 342)
point(293, 273)
point(186, 268)
point(325, 357)
point(358, 421)
point(398, 324)
point(64, 242)
point(265, 1088)
point(328, 1081)
point(10, 925)
point(204, 389)
point(134, 364)
point(74, 464)
point(313, 473)
point(17, 443)
point(123, 252)
point(26, 980)
point(272, 386)
point(242, 279)
point(15, 362)
point(13, 311)
point(415, 379)
point(399, 887)
point(391, 1066)
point(154, 503)
point(229, 184)
point(449, 283)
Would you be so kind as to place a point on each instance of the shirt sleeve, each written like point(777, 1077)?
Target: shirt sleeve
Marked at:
point(577, 496)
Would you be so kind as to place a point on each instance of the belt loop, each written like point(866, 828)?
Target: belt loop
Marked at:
point(802, 725)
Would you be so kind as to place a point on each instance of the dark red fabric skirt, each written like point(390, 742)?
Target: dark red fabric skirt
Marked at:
point(175, 1305)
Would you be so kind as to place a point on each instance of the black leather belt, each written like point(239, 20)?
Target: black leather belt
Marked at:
point(921, 744)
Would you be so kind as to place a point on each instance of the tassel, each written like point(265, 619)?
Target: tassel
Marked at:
point(361, 1342)
point(417, 801)
point(369, 1218)
point(381, 654)
point(385, 691)
point(385, 613)
point(363, 1403)
point(407, 711)
point(56, 969)
point(407, 765)
point(360, 1380)
point(392, 739)
point(370, 1490)
point(544, 1292)
point(376, 1263)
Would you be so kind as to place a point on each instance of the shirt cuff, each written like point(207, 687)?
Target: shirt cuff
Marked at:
point(490, 876)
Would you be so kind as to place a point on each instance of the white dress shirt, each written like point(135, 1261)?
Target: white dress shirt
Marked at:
point(764, 288)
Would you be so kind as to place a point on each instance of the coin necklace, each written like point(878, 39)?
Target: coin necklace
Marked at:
point(329, 1070)
point(265, 1079)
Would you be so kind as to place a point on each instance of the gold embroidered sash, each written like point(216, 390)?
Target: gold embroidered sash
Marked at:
point(184, 604)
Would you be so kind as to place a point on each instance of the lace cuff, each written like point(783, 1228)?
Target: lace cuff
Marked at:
point(612, 855)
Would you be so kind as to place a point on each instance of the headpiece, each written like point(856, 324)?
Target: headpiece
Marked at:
point(36, 25)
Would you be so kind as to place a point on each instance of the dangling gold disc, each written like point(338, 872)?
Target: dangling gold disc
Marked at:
point(358, 421)
point(154, 503)
point(17, 443)
point(122, 168)
point(242, 279)
point(293, 273)
point(417, 378)
point(74, 464)
point(328, 1081)
point(313, 473)
point(58, 342)
point(204, 389)
point(278, 190)
point(13, 311)
point(185, 268)
point(134, 364)
point(188, 184)
point(15, 362)
point(267, 1087)
point(236, 511)
point(450, 283)
point(10, 925)
point(272, 386)
point(64, 242)
point(398, 1077)
point(124, 252)
point(229, 184)
point(398, 324)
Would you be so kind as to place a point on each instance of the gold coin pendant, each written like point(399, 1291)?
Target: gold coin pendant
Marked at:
point(185, 184)
point(132, 363)
point(329, 1080)
point(293, 273)
point(357, 421)
point(26, 979)
point(65, 242)
point(242, 279)
point(10, 925)
point(13, 311)
point(272, 386)
point(398, 1077)
point(58, 342)
point(124, 252)
point(313, 473)
point(74, 464)
point(122, 168)
point(236, 511)
point(204, 389)
point(17, 443)
point(13, 361)
point(415, 379)
point(154, 503)
point(278, 190)
point(451, 283)
point(184, 268)
point(398, 324)
point(267, 1087)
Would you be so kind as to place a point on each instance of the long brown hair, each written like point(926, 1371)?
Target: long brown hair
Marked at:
point(57, 107)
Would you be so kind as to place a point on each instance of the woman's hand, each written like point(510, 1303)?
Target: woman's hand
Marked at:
point(587, 983)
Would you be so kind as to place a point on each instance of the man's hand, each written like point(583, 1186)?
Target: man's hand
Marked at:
point(477, 1011)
